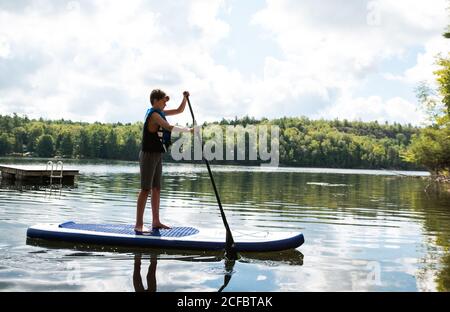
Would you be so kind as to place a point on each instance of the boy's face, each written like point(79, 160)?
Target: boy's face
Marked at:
point(161, 104)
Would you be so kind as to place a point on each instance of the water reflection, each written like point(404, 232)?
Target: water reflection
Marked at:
point(51, 190)
point(434, 204)
point(352, 223)
point(152, 256)
point(229, 265)
point(151, 274)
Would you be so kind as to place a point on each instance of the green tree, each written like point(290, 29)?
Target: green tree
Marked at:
point(443, 79)
point(83, 145)
point(5, 144)
point(19, 139)
point(35, 131)
point(45, 146)
point(130, 149)
point(66, 144)
point(431, 148)
point(112, 145)
point(97, 141)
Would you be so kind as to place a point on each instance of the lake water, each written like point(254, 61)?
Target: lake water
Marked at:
point(364, 230)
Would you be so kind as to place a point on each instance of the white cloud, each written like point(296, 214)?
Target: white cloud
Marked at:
point(420, 17)
point(98, 60)
point(330, 49)
point(5, 49)
point(203, 15)
point(117, 49)
point(374, 108)
point(426, 61)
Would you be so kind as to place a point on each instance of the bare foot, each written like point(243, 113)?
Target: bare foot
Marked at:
point(142, 230)
point(159, 225)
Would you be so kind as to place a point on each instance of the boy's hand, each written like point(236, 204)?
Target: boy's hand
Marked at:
point(186, 94)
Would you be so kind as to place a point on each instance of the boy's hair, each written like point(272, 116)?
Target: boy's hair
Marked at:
point(156, 95)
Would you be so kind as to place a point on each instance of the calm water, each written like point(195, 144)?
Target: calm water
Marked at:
point(364, 230)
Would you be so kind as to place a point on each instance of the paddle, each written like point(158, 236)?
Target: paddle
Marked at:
point(230, 250)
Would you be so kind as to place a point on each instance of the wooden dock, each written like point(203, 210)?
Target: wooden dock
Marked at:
point(37, 174)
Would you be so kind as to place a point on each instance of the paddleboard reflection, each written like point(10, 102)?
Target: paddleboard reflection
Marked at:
point(141, 256)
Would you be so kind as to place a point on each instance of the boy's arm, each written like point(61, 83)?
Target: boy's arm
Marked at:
point(156, 118)
point(164, 124)
point(180, 109)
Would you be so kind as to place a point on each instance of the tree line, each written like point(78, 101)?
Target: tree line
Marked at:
point(431, 147)
point(303, 142)
point(46, 138)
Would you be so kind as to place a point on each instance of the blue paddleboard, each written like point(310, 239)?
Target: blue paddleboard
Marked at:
point(176, 237)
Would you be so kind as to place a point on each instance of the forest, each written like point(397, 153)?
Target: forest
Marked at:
point(303, 142)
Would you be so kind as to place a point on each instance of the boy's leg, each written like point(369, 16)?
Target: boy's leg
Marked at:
point(156, 192)
point(142, 200)
point(151, 275)
point(137, 279)
point(148, 163)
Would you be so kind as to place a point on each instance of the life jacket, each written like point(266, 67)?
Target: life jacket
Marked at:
point(164, 136)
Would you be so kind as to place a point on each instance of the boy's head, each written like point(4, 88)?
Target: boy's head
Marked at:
point(158, 95)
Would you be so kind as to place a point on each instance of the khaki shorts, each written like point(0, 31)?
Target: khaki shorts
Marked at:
point(151, 170)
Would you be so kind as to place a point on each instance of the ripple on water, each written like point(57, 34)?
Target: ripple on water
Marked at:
point(350, 219)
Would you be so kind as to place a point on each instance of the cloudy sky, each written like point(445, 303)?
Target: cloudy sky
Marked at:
point(97, 60)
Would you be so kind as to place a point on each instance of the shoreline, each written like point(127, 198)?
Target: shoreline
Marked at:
point(220, 167)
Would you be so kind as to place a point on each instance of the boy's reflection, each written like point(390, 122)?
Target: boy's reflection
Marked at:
point(151, 274)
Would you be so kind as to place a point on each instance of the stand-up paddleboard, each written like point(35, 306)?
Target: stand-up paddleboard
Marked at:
point(176, 237)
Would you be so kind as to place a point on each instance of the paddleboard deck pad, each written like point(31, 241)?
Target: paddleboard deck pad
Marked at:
point(176, 237)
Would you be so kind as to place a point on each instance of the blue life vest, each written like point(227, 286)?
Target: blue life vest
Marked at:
point(163, 135)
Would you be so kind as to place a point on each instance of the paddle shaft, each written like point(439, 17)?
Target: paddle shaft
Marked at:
point(229, 242)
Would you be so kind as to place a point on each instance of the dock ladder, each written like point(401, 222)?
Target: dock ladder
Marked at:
point(58, 166)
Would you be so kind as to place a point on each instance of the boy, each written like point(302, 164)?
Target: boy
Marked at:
point(155, 141)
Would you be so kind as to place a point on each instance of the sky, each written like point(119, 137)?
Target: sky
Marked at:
point(98, 60)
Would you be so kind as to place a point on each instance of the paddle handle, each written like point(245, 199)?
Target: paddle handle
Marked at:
point(194, 122)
